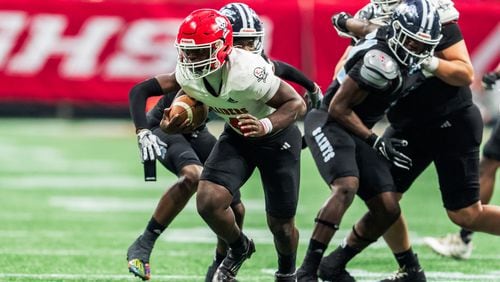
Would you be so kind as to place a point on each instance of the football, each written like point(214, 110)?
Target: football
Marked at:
point(189, 108)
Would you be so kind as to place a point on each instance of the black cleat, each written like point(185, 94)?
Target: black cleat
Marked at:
point(328, 272)
point(304, 276)
point(410, 274)
point(211, 271)
point(227, 270)
point(288, 277)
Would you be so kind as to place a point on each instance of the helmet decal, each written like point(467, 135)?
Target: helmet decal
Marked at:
point(414, 31)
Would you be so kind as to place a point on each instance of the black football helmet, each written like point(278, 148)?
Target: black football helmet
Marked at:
point(247, 26)
point(414, 31)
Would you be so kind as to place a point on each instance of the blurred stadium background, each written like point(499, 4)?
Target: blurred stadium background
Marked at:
point(72, 195)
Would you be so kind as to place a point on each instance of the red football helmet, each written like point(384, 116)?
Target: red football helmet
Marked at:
point(204, 40)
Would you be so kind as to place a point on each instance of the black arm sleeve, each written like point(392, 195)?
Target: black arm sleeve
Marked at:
point(290, 73)
point(137, 100)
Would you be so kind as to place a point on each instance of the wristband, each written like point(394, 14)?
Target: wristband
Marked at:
point(431, 64)
point(372, 139)
point(266, 123)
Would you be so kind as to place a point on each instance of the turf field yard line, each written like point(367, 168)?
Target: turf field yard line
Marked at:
point(90, 181)
point(360, 275)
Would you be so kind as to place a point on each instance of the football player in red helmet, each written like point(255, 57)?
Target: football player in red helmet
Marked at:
point(182, 154)
point(260, 112)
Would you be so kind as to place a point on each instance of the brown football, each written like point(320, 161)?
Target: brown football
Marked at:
point(189, 108)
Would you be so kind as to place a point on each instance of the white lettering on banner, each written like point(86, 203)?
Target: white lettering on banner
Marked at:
point(80, 52)
point(11, 25)
point(143, 47)
point(146, 49)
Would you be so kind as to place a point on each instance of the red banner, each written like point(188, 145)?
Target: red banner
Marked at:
point(88, 52)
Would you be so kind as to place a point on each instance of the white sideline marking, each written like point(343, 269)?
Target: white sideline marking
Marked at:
point(363, 275)
point(85, 182)
point(360, 275)
point(49, 159)
point(104, 277)
point(115, 204)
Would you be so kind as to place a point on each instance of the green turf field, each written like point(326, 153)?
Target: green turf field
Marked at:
point(72, 200)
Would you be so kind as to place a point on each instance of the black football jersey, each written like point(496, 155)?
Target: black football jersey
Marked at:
point(375, 105)
point(433, 100)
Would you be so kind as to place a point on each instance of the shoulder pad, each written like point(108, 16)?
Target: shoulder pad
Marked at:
point(446, 10)
point(365, 13)
point(246, 68)
point(378, 68)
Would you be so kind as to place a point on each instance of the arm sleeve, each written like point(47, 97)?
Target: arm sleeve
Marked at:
point(137, 100)
point(290, 73)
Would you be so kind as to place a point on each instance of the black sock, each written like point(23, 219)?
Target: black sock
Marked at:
point(313, 257)
point(342, 255)
point(286, 263)
point(466, 235)
point(407, 259)
point(155, 227)
point(240, 244)
point(219, 257)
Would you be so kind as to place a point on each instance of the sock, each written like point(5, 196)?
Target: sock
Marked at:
point(219, 257)
point(407, 259)
point(342, 255)
point(240, 244)
point(313, 257)
point(155, 227)
point(466, 235)
point(286, 263)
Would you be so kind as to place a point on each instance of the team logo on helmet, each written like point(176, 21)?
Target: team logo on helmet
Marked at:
point(409, 11)
point(222, 24)
point(260, 73)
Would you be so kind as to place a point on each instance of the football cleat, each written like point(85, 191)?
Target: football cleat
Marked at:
point(211, 271)
point(285, 277)
point(138, 258)
point(139, 269)
point(411, 274)
point(327, 271)
point(451, 245)
point(227, 270)
point(304, 276)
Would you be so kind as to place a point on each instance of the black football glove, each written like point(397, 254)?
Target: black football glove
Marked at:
point(313, 99)
point(339, 21)
point(489, 80)
point(385, 146)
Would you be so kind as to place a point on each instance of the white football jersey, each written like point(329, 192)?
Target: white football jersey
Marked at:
point(445, 8)
point(248, 82)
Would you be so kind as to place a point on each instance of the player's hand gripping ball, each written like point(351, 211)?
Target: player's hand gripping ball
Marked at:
point(184, 115)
